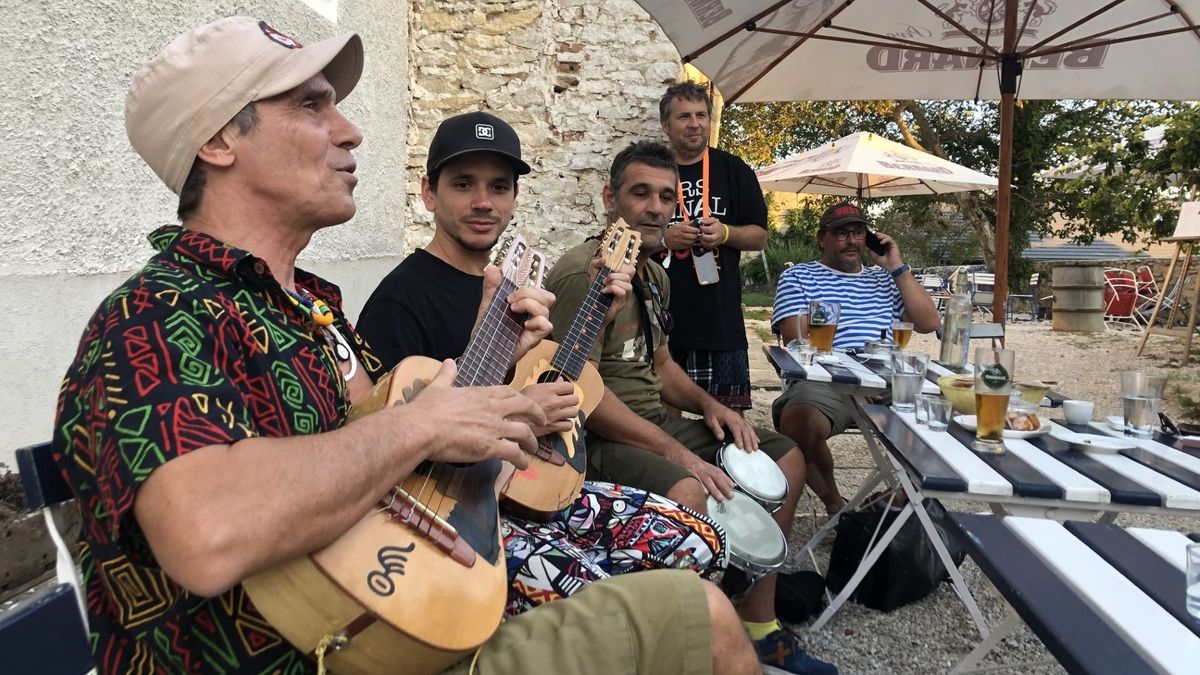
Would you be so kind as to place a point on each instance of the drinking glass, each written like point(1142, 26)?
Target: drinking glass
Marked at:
point(908, 371)
point(939, 410)
point(1141, 396)
point(993, 385)
point(922, 407)
point(822, 323)
point(901, 333)
point(1193, 580)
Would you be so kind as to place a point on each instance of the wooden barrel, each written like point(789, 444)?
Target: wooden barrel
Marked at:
point(1078, 297)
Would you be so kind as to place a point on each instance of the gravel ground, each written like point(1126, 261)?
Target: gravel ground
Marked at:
point(933, 635)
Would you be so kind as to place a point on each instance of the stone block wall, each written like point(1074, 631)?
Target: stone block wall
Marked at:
point(577, 79)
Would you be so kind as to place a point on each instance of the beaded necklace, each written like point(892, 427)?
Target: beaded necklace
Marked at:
point(322, 315)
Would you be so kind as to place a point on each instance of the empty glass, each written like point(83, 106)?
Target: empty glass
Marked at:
point(908, 372)
point(922, 409)
point(1141, 396)
point(939, 410)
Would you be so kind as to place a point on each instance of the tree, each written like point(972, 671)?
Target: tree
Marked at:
point(1047, 134)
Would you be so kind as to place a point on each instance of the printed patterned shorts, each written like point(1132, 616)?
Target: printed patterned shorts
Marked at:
point(724, 375)
point(609, 530)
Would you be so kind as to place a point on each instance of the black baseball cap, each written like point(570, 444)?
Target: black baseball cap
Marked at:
point(844, 213)
point(474, 132)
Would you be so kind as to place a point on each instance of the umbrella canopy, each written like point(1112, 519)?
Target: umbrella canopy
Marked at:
point(867, 165)
point(795, 50)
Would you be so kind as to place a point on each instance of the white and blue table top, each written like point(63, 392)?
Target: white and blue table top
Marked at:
point(1103, 599)
point(1149, 476)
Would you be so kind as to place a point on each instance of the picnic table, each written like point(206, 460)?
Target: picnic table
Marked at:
point(1103, 599)
point(1042, 476)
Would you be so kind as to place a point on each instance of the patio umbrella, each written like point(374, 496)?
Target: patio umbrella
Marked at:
point(795, 50)
point(867, 165)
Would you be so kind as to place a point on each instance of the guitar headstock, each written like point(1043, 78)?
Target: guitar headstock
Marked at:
point(522, 264)
point(620, 244)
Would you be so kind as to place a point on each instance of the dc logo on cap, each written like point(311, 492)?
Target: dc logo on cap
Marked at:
point(485, 132)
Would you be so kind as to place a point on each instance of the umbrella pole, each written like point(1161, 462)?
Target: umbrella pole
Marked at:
point(1010, 71)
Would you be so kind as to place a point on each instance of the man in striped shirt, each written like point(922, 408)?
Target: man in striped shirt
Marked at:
point(870, 298)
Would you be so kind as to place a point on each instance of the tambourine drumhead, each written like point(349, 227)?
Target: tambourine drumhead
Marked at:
point(753, 536)
point(755, 472)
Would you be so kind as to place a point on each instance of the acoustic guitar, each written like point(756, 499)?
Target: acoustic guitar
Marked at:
point(420, 582)
point(555, 475)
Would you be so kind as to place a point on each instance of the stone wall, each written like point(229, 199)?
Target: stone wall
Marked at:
point(577, 79)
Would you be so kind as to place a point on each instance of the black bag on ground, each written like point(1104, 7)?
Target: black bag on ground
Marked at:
point(799, 595)
point(906, 572)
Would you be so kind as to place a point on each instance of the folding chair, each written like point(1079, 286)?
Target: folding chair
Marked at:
point(983, 291)
point(1147, 286)
point(1120, 299)
point(47, 634)
point(982, 331)
point(1030, 298)
point(936, 286)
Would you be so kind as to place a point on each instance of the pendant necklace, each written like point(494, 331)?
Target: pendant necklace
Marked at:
point(323, 317)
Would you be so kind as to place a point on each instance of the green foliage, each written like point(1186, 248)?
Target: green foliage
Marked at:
point(1128, 195)
point(757, 312)
point(928, 233)
point(752, 298)
point(793, 241)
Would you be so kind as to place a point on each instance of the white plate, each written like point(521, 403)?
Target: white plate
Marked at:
point(1116, 422)
point(1101, 444)
point(968, 423)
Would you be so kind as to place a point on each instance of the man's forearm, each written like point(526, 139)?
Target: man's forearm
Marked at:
point(613, 420)
point(213, 516)
point(917, 304)
point(747, 237)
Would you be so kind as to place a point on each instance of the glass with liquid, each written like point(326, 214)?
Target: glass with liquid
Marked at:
point(822, 323)
point(1141, 396)
point(901, 333)
point(908, 372)
point(993, 386)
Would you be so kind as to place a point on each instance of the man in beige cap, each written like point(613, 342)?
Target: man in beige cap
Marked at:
point(202, 423)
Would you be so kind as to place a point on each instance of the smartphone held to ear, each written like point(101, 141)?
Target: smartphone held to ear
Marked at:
point(877, 247)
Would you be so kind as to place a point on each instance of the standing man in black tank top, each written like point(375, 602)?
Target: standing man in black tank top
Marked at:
point(720, 213)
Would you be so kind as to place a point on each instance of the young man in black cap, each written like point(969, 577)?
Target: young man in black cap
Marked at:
point(426, 307)
point(870, 298)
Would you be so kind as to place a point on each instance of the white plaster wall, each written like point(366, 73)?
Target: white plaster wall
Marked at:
point(76, 202)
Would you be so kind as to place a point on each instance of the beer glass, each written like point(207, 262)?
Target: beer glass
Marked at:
point(908, 372)
point(901, 333)
point(822, 323)
point(1141, 396)
point(993, 385)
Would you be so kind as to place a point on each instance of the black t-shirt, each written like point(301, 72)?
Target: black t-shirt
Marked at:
point(710, 317)
point(424, 307)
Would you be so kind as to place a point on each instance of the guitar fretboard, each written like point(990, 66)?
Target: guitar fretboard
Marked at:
point(573, 351)
point(486, 360)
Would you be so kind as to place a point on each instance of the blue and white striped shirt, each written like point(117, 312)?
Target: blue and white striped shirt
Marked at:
point(870, 300)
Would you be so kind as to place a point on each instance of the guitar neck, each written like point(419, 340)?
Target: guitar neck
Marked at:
point(489, 354)
point(576, 346)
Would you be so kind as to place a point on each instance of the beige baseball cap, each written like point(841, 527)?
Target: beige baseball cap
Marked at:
point(195, 86)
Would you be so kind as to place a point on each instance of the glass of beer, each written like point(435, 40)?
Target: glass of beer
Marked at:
point(822, 323)
point(901, 333)
point(993, 385)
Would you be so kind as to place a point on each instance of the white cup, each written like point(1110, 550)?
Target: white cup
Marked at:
point(1079, 412)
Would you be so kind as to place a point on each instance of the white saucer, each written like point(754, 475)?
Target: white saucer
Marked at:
point(968, 422)
point(1101, 444)
point(1116, 422)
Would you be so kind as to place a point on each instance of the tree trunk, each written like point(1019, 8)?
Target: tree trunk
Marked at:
point(968, 203)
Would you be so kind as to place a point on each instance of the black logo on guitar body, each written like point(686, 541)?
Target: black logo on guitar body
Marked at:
point(393, 559)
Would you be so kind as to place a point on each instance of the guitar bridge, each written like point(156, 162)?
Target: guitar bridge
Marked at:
point(410, 511)
point(547, 453)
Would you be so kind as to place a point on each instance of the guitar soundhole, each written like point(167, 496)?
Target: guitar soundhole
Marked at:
point(550, 376)
point(392, 559)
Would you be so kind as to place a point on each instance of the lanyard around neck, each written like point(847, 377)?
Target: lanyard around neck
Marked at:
point(703, 193)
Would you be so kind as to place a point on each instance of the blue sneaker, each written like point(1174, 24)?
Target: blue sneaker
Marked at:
point(780, 652)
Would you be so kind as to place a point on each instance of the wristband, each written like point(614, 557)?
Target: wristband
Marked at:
point(726, 234)
point(900, 270)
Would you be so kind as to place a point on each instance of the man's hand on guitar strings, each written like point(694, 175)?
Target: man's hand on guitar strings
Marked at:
point(559, 403)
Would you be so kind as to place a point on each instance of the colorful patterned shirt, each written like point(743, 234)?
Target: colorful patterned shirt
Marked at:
point(200, 347)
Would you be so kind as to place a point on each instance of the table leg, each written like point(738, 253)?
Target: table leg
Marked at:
point(960, 584)
point(1001, 631)
point(863, 567)
point(878, 454)
point(851, 505)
